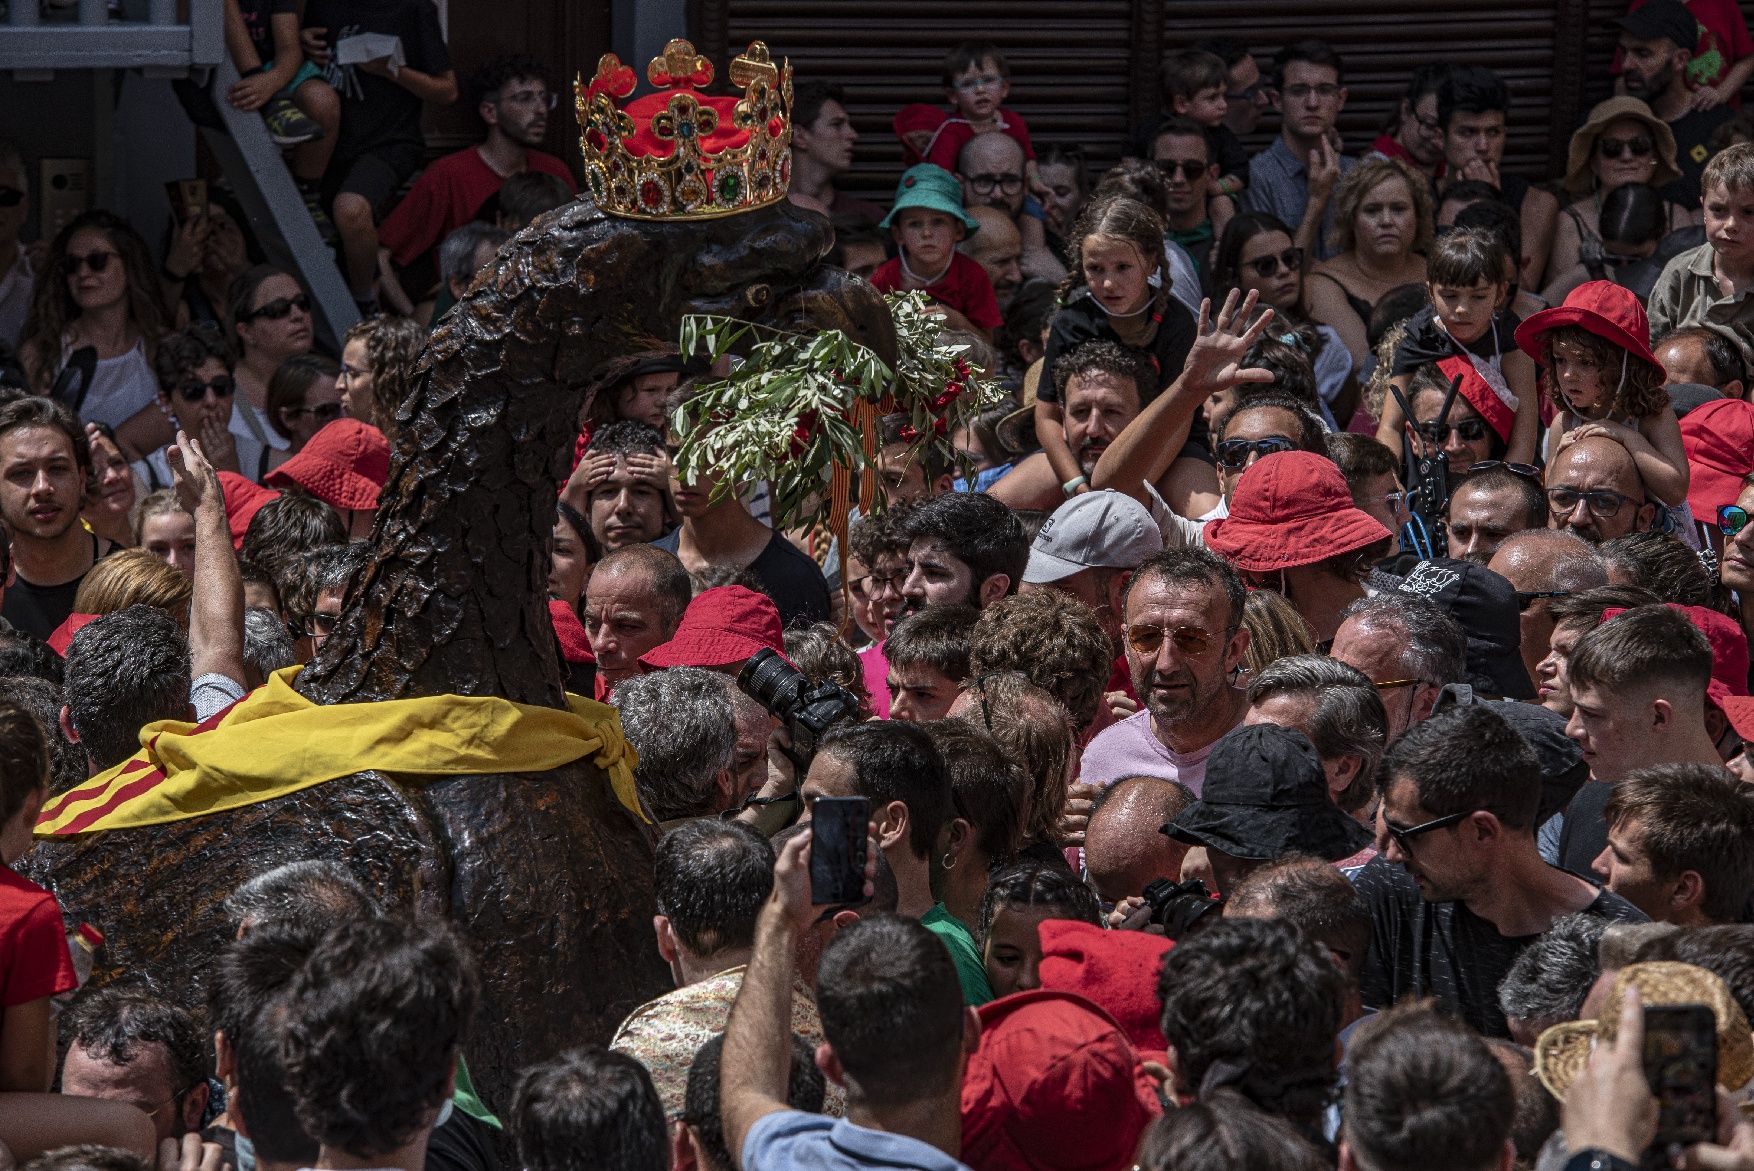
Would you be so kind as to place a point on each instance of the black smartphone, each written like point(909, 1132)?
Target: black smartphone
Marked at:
point(1680, 1062)
point(839, 831)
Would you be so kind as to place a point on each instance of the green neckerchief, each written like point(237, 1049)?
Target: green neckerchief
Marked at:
point(468, 1101)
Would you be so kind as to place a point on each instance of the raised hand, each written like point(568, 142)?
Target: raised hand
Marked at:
point(1214, 363)
point(196, 482)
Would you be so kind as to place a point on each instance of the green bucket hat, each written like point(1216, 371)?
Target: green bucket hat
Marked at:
point(933, 188)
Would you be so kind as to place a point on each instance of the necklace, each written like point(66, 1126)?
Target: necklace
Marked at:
point(914, 276)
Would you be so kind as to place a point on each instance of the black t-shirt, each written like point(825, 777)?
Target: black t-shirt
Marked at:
point(461, 1144)
point(1692, 131)
point(38, 610)
point(1585, 833)
point(1228, 152)
point(377, 111)
point(1444, 950)
point(1426, 341)
point(258, 16)
point(1083, 320)
point(792, 580)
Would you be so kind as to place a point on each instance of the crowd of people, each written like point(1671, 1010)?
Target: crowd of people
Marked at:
point(1306, 726)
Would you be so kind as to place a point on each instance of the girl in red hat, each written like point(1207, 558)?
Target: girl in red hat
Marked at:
point(1604, 380)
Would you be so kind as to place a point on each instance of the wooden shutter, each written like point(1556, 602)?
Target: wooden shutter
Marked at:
point(1070, 63)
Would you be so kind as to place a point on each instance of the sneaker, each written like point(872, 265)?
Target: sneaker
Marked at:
point(313, 200)
point(288, 125)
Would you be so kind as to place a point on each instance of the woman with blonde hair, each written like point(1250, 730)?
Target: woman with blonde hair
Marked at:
point(1382, 227)
point(134, 577)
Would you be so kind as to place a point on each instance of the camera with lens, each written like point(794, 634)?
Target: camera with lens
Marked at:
point(1182, 908)
point(808, 710)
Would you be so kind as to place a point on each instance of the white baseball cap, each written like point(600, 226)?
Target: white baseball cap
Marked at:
point(1094, 530)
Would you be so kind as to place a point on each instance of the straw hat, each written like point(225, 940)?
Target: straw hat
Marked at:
point(1563, 1050)
point(1016, 431)
point(1579, 179)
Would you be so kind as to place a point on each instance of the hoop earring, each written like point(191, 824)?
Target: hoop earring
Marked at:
point(948, 861)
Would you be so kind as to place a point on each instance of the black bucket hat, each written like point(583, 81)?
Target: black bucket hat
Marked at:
point(1485, 605)
point(1266, 796)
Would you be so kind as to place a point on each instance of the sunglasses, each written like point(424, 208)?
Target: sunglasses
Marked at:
point(11, 197)
point(221, 387)
point(1291, 260)
point(1526, 471)
point(1637, 147)
point(327, 412)
point(1191, 169)
point(1731, 519)
point(278, 309)
point(1602, 503)
point(1403, 835)
point(1234, 454)
point(1189, 641)
point(1471, 431)
point(96, 261)
point(1526, 599)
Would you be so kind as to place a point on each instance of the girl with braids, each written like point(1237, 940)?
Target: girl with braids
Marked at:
point(99, 292)
point(1604, 380)
point(1019, 898)
point(1118, 290)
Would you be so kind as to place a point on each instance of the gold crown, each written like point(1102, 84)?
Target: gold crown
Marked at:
point(680, 153)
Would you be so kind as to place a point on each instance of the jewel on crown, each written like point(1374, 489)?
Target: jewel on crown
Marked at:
point(681, 153)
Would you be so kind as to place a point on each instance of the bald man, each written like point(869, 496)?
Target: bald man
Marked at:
point(1543, 564)
point(1594, 491)
point(991, 168)
point(1124, 848)
point(997, 248)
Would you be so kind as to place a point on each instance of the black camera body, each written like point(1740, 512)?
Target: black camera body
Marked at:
point(808, 711)
point(1181, 908)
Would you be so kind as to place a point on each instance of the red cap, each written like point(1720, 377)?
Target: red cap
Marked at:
point(574, 646)
point(1729, 649)
point(722, 627)
point(1291, 509)
point(343, 465)
point(1054, 1086)
point(244, 498)
point(1116, 970)
point(62, 636)
point(1479, 394)
point(1719, 440)
point(1600, 307)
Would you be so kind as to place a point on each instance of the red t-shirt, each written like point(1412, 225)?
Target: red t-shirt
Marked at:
point(446, 196)
point(964, 287)
point(951, 133)
point(34, 960)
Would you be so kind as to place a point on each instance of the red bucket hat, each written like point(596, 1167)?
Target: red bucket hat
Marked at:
point(1719, 439)
point(1499, 415)
point(244, 498)
point(1116, 970)
point(1600, 307)
point(1288, 510)
point(1054, 1086)
point(344, 465)
point(722, 627)
point(1729, 649)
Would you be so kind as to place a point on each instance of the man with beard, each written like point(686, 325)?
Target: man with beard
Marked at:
point(963, 547)
point(1490, 507)
point(1185, 642)
point(1099, 391)
point(45, 471)
point(1656, 42)
point(1459, 889)
point(514, 101)
point(991, 167)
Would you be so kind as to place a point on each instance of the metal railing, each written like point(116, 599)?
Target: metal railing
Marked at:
point(90, 38)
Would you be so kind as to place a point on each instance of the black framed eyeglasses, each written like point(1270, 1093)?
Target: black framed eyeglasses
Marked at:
point(1234, 454)
point(1291, 260)
point(985, 184)
point(277, 309)
point(1403, 835)
point(1527, 598)
point(1191, 169)
point(1602, 503)
point(221, 387)
point(321, 623)
point(1471, 431)
point(1731, 519)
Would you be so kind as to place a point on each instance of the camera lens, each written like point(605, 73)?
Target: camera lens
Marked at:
point(771, 681)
